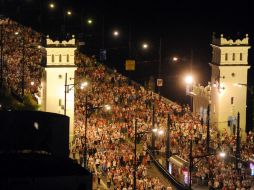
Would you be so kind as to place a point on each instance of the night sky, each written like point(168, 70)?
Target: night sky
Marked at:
point(183, 26)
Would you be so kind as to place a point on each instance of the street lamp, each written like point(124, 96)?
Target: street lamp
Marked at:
point(168, 141)
point(89, 21)
point(189, 81)
point(222, 154)
point(51, 5)
point(145, 46)
point(115, 33)
point(68, 88)
point(136, 134)
point(88, 112)
point(69, 13)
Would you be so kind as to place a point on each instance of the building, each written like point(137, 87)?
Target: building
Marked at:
point(228, 83)
point(58, 80)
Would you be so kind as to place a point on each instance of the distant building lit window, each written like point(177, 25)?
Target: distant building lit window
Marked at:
point(53, 58)
point(226, 57)
point(60, 58)
point(233, 58)
point(68, 57)
point(241, 56)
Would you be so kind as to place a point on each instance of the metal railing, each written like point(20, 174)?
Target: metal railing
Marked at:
point(166, 174)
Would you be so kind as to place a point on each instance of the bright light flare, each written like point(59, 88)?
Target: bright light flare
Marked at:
point(145, 46)
point(155, 130)
point(238, 85)
point(84, 85)
point(189, 79)
point(90, 21)
point(222, 154)
point(107, 107)
point(160, 132)
point(52, 5)
point(175, 59)
point(116, 33)
point(32, 83)
point(69, 13)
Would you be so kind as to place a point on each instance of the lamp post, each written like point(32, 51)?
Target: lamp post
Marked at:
point(135, 149)
point(153, 127)
point(189, 82)
point(86, 122)
point(208, 130)
point(135, 155)
point(88, 112)
point(168, 141)
point(238, 144)
point(159, 80)
point(67, 90)
point(192, 164)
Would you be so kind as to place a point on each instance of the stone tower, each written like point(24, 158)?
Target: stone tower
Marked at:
point(229, 69)
point(58, 80)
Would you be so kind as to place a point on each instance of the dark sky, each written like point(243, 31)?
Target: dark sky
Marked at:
point(183, 26)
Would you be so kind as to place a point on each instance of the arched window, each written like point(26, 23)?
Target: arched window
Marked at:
point(68, 57)
point(241, 56)
point(53, 58)
point(60, 58)
point(233, 56)
point(226, 57)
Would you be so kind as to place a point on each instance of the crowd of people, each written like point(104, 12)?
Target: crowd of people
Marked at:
point(22, 56)
point(110, 135)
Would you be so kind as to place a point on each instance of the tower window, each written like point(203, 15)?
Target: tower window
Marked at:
point(233, 56)
point(226, 57)
point(241, 56)
point(53, 58)
point(68, 57)
point(60, 58)
point(232, 100)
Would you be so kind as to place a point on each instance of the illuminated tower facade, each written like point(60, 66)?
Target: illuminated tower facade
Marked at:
point(58, 79)
point(229, 69)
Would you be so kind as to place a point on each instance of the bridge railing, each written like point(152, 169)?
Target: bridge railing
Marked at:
point(166, 174)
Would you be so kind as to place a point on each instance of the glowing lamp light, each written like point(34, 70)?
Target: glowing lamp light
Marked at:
point(90, 21)
point(69, 13)
point(116, 33)
point(155, 130)
point(188, 79)
point(52, 5)
point(145, 46)
point(107, 107)
point(32, 83)
point(83, 85)
point(16, 33)
point(238, 85)
point(175, 58)
point(222, 154)
point(160, 132)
